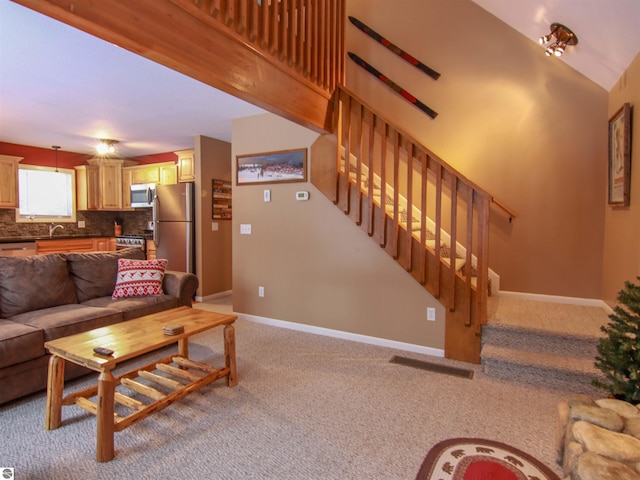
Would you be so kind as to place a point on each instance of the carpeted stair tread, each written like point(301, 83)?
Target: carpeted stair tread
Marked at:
point(566, 363)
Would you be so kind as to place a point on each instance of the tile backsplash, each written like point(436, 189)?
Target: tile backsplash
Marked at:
point(97, 224)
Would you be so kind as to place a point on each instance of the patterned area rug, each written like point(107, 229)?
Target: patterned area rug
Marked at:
point(479, 459)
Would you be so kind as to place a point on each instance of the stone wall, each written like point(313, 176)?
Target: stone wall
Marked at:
point(598, 439)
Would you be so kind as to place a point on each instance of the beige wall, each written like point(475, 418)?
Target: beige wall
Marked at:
point(213, 257)
point(622, 225)
point(525, 127)
point(316, 266)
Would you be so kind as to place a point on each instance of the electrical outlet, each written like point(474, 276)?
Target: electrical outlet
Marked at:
point(245, 229)
point(261, 291)
point(214, 226)
point(81, 224)
point(431, 314)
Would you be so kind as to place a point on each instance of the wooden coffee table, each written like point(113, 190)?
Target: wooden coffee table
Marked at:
point(177, 375)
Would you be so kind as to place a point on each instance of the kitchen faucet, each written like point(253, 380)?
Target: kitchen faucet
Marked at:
point(53, 228)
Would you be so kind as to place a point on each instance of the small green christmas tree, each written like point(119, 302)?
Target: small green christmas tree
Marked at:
point(619, 353)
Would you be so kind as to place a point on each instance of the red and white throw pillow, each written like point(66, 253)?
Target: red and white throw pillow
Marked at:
point(136, 278)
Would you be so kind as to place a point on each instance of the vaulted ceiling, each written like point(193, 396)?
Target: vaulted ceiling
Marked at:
point(61, 86)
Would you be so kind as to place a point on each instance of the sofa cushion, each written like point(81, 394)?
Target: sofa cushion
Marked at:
point(66, 320)
point(135, 307)
point(34, 282)
point(138, 278)
point(19, 343)
point(94, 273)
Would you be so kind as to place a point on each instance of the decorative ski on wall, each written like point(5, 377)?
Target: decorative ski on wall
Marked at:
point(394, 86)
point(395, 49)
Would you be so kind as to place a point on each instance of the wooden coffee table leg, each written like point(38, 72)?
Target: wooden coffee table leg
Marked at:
point(230, 354)
point(183, 347)
point(104, 432)
point(55, 386)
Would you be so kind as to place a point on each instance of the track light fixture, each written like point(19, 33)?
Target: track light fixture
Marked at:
point(106, 146)
point(557, 40)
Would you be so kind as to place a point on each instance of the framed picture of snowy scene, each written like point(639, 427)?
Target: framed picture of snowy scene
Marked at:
point(285, 166)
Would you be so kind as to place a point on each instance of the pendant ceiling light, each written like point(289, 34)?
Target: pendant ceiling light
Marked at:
point(56, 148)
point(557, 40)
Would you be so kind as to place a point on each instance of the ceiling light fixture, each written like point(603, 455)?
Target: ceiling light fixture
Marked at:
point(56, 148)
point(106, 146)
point(557, 40)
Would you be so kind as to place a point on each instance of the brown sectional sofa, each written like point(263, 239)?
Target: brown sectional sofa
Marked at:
point(43, 297)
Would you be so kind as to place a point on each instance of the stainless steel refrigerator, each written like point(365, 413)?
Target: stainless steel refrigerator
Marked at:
point(174, 226)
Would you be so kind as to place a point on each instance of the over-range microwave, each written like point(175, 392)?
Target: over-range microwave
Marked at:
point(142, 195)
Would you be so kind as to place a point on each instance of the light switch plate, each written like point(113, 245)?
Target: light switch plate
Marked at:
point(267, 195)
point(214, 226)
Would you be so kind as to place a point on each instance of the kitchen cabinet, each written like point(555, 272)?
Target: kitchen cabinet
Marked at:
point(151, 249)
point(67, 245)
point(165, 173)
point(186, 165)
point(99, 184)
point(9, 181)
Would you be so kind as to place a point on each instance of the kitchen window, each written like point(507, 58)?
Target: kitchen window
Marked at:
point(46, 194)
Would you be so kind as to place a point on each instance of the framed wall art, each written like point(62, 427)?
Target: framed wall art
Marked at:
point(221, 207)
point(285, 166)
point(620, 157)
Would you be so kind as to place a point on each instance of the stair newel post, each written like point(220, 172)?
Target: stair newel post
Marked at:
point(453, 238)
point(469, 247)
point(482, 255)
point(422, 252)
point(438, 228)
point(381, 221)
point(370, 184)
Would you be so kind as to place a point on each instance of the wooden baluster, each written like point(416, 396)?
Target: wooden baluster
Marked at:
point(371, 184)
point(300, 32)
point(274, 28)
point(254, 15)
point(345, 196)
point(408, 241)
point(230, 13)
point(285, 31)
point(469, 247)
point(337, 127)
point(322, 34)
point(215, 8)
point(332, 22)
point(381, 221)
point(242, 20)
point(265, 21)
point(308, 37)
point(453, 238)
point(358, 141)
point(392, 242)
point(422, 254)
point(438, 227)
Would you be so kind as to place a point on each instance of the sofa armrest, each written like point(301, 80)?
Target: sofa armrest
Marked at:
point(181, 285)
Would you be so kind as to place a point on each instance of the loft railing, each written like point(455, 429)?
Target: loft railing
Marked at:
point(306, 36)
point(428, 216)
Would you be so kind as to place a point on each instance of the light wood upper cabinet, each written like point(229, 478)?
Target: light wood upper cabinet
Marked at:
point(168, 173)
point(186, 165)
point(157, 173)
point(100, 184)
point(9, 181)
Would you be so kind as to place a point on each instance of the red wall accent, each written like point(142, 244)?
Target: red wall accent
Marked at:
point(46, 157)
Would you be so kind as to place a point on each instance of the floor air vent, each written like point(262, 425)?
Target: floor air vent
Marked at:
point(432, 367)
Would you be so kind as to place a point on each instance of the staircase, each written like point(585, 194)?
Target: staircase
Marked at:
point(427, 216)
point(548, 344)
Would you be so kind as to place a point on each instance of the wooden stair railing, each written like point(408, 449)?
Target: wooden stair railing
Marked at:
point(431, 219)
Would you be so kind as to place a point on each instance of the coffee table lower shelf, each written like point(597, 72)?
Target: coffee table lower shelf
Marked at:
point(173, 379)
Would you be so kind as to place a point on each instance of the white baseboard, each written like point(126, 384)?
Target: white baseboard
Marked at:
point(213, 296)
point(537, 297)
point(354, 337)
